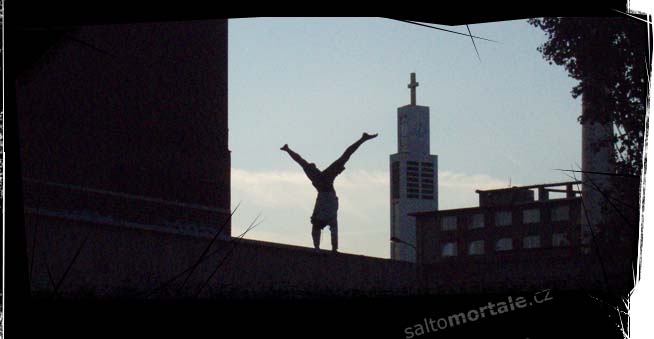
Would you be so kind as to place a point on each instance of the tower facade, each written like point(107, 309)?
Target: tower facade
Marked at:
point(414, 176)
point(596, 158)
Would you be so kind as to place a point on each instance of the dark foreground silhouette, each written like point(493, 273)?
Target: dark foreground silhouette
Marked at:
point(326, 208)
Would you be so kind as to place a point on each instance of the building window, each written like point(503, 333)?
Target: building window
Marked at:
point(560, 213)
point(448, 223)
point(531, 216)
point(560, 240)
point(427, 180)
point(427, 190)
point(532, 241)
point(504, 244)
point(395, 180)
point(413, 174)
point(449, 250)
point(503, 218)
point(477, 221)
point(413, 180)
point(476, 247)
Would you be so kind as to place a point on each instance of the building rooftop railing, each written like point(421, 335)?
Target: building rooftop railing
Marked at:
point(556, 184)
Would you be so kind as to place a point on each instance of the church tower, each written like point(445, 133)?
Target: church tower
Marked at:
point(414, 176)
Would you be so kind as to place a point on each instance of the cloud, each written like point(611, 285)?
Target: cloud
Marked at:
point(286, 198)
point(275, 189)
point(457, 190)
point(476, 181)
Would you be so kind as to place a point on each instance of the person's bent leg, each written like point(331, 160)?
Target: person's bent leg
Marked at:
point(315, 234)
point(334, 231)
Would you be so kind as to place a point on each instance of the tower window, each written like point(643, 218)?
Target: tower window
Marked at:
point(395, 180)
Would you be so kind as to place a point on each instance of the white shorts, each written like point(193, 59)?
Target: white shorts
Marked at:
point(326, 209)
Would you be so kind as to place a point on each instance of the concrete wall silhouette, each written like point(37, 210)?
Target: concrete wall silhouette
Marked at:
point(120, 261)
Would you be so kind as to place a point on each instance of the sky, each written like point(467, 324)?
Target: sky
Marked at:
point(318, 83)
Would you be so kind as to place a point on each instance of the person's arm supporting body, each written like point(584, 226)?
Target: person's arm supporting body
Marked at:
point(339, 165)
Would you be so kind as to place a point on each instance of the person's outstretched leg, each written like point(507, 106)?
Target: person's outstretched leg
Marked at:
point(340, 162)
point(334, 231)
point(315, 234)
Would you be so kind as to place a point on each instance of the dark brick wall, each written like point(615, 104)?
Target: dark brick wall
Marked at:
point(530, 270)
point(118, 261)
point(134, 108)
point(126, 262)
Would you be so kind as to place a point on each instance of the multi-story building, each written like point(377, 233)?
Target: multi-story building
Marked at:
point(508, 222)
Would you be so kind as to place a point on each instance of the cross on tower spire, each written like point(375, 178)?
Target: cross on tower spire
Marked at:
point(412, 85)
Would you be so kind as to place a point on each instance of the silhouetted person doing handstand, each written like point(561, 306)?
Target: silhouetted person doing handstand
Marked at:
point(326, 208)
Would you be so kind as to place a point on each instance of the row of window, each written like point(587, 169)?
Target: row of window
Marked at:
point(505, 218)
point(420, 180)
point(477, 247)
point(424, 170)
point(423, 164)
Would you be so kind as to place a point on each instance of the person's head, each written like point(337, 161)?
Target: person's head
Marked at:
point(313, 166)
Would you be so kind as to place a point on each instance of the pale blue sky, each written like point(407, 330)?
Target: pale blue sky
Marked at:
point(318, 83)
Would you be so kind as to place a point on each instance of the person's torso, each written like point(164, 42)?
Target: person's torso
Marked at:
point(323, 182)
